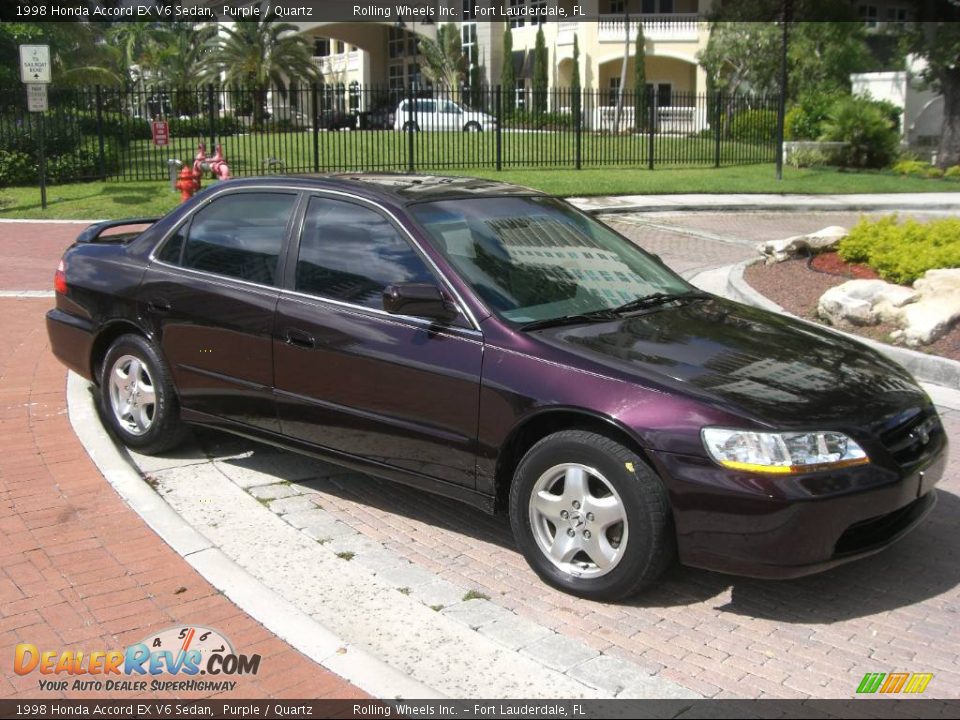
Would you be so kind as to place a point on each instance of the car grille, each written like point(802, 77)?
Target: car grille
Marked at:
point(877, 531)
point(914, 436)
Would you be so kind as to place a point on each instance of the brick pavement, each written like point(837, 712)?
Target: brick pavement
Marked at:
point(722, 636)
point(79, 569)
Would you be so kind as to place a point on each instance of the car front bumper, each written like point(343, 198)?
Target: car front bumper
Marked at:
point(775, 527)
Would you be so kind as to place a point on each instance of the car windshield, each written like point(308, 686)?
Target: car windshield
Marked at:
point(536, 258)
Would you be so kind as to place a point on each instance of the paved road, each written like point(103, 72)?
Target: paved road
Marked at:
point(714, 635)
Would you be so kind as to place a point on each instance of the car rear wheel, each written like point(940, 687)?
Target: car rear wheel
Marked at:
point(137, 396)
point(590, 516)
point(472, 127)
point(411, 125)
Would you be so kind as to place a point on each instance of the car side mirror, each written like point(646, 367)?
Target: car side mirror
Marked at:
point(419, 300)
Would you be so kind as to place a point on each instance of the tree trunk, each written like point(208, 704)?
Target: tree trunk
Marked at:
point(948, 153)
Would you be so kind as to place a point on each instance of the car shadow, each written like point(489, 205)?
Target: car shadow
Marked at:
point(923, 565)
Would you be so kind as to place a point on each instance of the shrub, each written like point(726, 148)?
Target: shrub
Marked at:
point(914, 168)
point(952, 173)
point(83, 163)
point(16, 168)
point(59, 132)
point(933, 172)
point(903, 252)
point(871, 137)
point(808, 157)
point(199, 127)
point(804, 121)
point(542, 121)
point(757, 126)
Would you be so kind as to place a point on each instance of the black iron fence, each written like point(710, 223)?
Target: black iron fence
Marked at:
point(106, 133)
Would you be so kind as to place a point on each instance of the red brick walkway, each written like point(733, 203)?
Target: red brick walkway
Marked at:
point(79, 570)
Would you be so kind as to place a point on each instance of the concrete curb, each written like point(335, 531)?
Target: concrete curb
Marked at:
point(928, 368)
point(302, 632)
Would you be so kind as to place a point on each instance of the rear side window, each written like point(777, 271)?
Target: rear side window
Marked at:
point(351, 253)
point(240, 236)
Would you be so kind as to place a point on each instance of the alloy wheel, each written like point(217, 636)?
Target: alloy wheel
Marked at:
point(578, 520)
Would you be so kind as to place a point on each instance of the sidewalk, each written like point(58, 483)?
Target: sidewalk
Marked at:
point(892, 202)
point(78, 568)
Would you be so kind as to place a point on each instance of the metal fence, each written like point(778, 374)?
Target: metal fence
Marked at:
point(105, 133)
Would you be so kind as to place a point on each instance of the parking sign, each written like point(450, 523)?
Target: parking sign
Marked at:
point(36, 97)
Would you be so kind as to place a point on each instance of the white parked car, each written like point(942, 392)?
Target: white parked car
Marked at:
point(441, 115)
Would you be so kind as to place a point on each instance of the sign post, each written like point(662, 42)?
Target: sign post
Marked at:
point(35, 74)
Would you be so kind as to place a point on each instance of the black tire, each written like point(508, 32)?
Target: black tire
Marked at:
point(472, 127)
point(165, 429)
point(407, 125)
point(647, 530)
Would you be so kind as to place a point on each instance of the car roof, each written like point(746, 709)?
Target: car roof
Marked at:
point(400, 189)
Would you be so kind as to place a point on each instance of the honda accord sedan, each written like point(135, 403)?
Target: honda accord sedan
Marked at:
point(495, 345)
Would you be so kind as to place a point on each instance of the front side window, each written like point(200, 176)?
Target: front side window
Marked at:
point(239, 236)
point(535, 258)
point(349, 252)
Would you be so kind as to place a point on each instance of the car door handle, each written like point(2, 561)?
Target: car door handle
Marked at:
point(158, 306)
point(299, 338)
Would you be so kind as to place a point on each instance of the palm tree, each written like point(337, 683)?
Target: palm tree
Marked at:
point(80, 55)
point(443, 59)
point(183, 60)
point(138, 45)
point(263, 55)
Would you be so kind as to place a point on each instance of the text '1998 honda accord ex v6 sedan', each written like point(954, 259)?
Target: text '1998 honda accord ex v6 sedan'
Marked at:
point(495, 345)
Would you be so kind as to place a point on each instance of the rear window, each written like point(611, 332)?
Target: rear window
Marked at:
point(239, 236)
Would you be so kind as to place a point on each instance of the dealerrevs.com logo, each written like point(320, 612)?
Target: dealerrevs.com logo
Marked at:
point(189, 652)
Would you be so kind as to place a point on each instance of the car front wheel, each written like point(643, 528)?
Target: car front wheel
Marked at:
point(590, 516)
point(138, 398)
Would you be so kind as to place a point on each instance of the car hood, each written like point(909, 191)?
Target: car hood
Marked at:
point(772, 368)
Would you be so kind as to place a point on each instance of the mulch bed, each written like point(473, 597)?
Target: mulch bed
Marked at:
point(797, 289)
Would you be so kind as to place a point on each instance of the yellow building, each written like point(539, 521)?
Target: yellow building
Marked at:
point(384, 54)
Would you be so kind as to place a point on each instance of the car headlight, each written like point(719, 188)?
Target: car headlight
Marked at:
point(782, 453)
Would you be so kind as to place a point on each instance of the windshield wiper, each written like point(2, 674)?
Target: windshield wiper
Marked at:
point(659, 298)
point(587, 317)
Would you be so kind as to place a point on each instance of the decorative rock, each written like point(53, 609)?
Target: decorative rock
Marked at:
point(924, 313)
point(775, 251)
point(852, 301)
point(937, 308)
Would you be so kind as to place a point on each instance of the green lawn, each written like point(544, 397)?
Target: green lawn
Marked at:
point(127, 199)
point(254, 153)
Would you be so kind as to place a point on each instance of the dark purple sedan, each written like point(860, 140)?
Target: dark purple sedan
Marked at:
point(492, 344)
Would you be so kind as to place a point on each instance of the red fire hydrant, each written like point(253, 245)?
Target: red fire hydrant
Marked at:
point(187, 184)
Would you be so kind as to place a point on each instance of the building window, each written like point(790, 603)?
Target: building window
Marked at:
point(398, 44)
point(321, 47)
point(518, 21)
point(616, 7)
point(540, 7)
point(664, 93)
point(650, 7)
point(614, 91)
point(868, 13)
point(898, 15)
